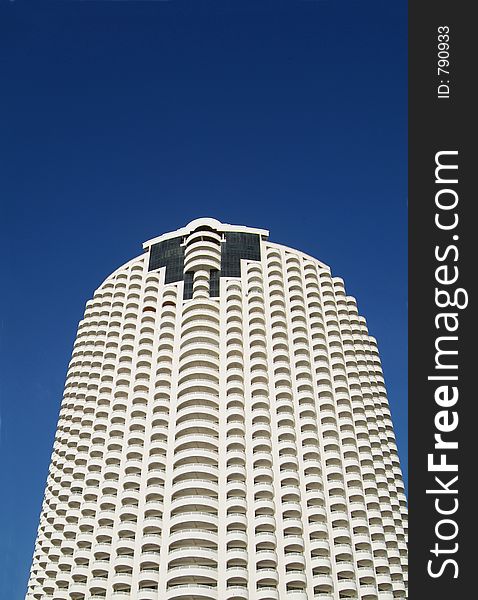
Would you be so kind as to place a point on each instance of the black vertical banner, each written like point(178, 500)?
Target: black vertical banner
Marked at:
point(443, 332)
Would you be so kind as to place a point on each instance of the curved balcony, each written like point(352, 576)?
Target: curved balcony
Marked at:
point(201, 327)
point(237, 535)
point(266, 556)
point(202, 487)
point(197, 468)
point(188, 519)
point(199, 501)
point(199, 309)
point(77, 588)
point(236, 592)
point(193, 553)
point(151, 558)
point(201, 349)
point(196, 591)
point(194, 429)
point(188, 412)
point(202, 255)
point(266, 593)
point(195, 533)
point(347, 586)
point(193, 441)
point(147, 594)
point(296, 594)
point(192, 336)
point(121, 595)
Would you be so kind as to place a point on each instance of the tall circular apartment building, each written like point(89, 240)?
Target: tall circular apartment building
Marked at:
point(224, 435)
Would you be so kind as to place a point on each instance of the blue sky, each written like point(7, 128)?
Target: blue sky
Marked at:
point(124, 120)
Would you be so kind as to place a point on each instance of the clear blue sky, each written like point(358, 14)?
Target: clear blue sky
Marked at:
point(124, 120)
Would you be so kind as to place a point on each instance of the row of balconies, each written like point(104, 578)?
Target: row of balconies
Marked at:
point(381, 479)
point(265, 582)
point(179, 525)
point(342, 552)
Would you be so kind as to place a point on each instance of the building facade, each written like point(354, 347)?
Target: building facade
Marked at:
point(224, 435)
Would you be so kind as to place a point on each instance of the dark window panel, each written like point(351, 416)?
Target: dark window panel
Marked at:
point(236, 247)
point(188, 285)
point(214, 283)
point(169, 254)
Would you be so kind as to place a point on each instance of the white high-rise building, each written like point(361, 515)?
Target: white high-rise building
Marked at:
point(224, 435)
